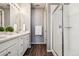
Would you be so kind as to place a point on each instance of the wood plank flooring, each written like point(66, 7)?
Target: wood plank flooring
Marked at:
point(38, 50)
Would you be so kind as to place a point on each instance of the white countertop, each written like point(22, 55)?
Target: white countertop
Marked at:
point(10, 37)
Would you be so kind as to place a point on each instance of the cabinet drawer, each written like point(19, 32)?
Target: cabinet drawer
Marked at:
point(7, 44)
point(12, 51)
point(4, 53)
point(27, 36)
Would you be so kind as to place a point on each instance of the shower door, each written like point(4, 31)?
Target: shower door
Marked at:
point(57, 27)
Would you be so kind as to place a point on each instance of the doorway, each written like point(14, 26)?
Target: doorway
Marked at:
point(38, 24)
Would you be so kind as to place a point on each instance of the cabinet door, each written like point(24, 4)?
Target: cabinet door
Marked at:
point(25, 43)
point(12, 51)
point(21, 46)
point(29, 41)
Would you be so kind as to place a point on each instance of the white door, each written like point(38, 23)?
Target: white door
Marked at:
point(57, 30)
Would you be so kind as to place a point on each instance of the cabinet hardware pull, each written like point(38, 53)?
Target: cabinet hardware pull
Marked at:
point(6, 54)
point(21, 44)
point(9, 52)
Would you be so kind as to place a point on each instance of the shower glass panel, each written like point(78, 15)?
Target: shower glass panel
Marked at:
point(57, 27)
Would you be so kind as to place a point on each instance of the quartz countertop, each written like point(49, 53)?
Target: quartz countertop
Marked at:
point(4, 38)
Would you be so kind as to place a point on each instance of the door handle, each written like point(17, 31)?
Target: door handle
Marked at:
point(9, 52)
point(60, 26)
point(21, 44)
point(68, 27)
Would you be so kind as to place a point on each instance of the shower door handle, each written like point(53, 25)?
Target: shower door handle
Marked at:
point(60, 26)
point(68, 27)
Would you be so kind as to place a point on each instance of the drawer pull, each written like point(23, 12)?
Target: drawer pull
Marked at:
point(9, 52)
point(21, 44)
point(6, 54)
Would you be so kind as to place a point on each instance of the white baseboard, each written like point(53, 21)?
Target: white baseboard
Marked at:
point(38, 43)
point(49, 51)
point(53, 52)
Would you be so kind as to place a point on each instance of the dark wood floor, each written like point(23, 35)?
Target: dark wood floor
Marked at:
point(38, 50)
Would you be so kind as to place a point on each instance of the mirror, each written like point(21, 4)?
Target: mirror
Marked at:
point(15, 15)
point(4, 14)
point(10, 15)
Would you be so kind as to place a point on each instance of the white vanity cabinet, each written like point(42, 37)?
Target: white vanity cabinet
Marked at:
point(20, 46)
point(26, 42)
point(12, 51)
point(16, 46)
point(9, 48)
point(4, 53)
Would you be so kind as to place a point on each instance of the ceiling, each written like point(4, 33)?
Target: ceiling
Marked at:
point(38, 5)
point(34, 5)
point(4, 5)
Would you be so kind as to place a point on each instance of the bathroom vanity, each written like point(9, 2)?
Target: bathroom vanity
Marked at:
point(15, 45)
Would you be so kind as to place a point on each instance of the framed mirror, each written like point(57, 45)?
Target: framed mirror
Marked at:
point(4, 14)
point(1, 17)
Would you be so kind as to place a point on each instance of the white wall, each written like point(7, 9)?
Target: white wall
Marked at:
point(66, 30)
point(74, 31)
point(45, 26)
point(71, 35)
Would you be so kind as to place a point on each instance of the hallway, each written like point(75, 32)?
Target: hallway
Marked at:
point(38, 50)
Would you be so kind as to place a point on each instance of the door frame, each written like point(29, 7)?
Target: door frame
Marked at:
point(2, 17)
point(44, 30)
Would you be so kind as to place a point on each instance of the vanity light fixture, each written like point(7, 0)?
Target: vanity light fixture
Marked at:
point(15, 5)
